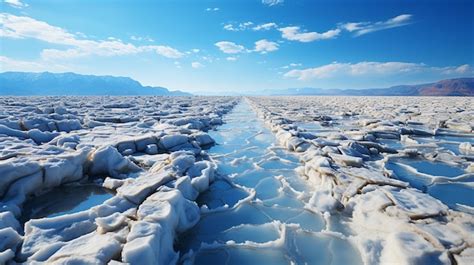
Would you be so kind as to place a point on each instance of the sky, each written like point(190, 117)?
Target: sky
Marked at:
point(241, 46)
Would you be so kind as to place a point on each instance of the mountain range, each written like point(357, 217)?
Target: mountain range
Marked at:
point(46, 83)
point(448, 87)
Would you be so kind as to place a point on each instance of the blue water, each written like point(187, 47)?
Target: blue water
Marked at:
point(65, 200)
point(451, 193)
point(435, 168)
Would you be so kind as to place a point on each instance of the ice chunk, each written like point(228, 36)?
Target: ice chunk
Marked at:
point(111, 222)
point(41, 137)
point(147, 243)
point(93, 248)
point(12, 132)
point(136, 190)
point(415, 203)
point(170, 141)
point(9, 239)
point(410, 248)
point(203, 139)
point(108, 161)
point(13, 169)
point(346, 160)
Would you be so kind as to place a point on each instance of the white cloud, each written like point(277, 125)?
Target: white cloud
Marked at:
point(249, 25)
point(165, 51)
point(9, 64)
point(264, 46)
point(138, 38)
point(231, 58)
point(291, 65)
point(16, 3)
point(361, 28)
point(266, 26)
point(338, 70)
point(212, 9)
point(229, 27)
point(240, 27)
point(20, 27)
point(462, 69)
point(294, 33)
point(229, 47)
point(197, 65)
point(272, 2)
point(195, 50)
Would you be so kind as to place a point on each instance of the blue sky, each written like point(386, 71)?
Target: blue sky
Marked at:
point(242, 46)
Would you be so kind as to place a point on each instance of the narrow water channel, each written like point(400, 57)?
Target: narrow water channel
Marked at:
point(256, 214)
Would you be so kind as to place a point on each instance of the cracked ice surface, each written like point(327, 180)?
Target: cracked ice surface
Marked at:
point(400, 169)
point(102, 179)
point(259, 212)
point(310, 180)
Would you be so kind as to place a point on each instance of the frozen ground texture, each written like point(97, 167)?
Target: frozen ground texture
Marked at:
point(381, 161)
point(316, 180)
point(257, 214)
point(146, 151)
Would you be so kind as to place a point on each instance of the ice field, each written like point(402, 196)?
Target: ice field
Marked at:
point(236, 180)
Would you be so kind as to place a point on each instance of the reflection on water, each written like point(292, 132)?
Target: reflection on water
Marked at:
point(451, 192)
point(65, 200)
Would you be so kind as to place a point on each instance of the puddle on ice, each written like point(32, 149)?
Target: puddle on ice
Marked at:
point(451, 191)
point(258, 216)
point(240, 256)
point(65, 199)
point(435, 168)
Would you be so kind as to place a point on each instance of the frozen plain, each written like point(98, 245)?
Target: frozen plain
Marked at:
point(224, 180)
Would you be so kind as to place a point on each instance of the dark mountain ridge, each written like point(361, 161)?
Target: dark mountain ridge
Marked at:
point(448, 87)
point(46, 83)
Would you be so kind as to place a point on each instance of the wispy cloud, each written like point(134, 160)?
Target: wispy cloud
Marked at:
point(249, 25)
point(295, 34)
point(266, 26)
point(231, 58)
point(265, 46)
point(272, 2)
point(138, 38)
point(197, 65)
point(230, 47)
point(361, 28)
point(238, 27)
point(16, 3)
point(212, 9)
point(291, 65)
point(262, 46)
point(10, 64)
point(20, 27)
point(338, 70)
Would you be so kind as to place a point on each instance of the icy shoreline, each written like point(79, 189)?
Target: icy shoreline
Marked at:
point(149, 150)
point(393, 223)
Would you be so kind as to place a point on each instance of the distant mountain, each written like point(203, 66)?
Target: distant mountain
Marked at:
point(449, 87)
point(27, 84)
